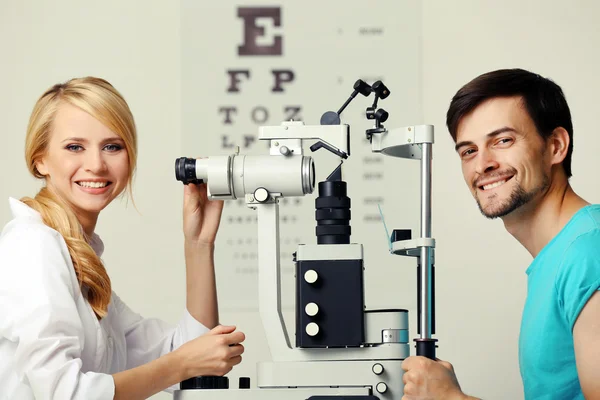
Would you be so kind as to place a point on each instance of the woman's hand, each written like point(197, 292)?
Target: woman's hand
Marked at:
point(212, 354)
point(201, 216)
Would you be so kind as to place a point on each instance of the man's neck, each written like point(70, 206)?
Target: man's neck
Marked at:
point(535, 224)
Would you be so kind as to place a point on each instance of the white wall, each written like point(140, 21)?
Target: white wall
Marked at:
point(480, 289)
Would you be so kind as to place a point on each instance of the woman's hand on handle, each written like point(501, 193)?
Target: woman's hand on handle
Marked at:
point(212, 354)
point(201, 216)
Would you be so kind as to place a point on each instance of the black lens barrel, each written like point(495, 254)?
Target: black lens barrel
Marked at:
point(333, 213)
point(185, 171)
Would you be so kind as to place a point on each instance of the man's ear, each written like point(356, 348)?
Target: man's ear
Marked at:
point(559, 145)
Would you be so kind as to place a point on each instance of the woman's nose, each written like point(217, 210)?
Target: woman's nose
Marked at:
point(94, 162)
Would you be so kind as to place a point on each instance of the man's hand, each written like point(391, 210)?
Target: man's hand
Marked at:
point(426, 379)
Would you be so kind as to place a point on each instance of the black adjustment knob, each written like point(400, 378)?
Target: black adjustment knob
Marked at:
point(244, 382)
point(205, 382)
point(401, 234)
point(381, 115)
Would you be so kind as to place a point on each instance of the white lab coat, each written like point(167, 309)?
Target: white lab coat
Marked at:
point(52, 346)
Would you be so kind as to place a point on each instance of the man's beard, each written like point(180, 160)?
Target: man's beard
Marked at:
point(517, 198)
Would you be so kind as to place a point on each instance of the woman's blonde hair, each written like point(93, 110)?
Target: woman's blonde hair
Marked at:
point(101, 100)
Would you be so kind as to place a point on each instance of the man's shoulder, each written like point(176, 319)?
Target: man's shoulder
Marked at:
point(579, 263)
point(584, 231)
point(585, 244)
point(591, 214)
point(575, 250)
point(578, 274)
point(576, 247)
point(580, 235)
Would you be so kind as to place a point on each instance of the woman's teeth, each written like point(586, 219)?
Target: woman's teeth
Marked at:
point(93, 184)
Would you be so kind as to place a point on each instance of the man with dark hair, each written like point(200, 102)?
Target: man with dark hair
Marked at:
point(514, 136)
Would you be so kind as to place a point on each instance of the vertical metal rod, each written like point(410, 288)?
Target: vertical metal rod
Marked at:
point(269, 284)
point(426, 267)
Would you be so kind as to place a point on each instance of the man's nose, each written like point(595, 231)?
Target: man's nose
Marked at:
point(486, 162)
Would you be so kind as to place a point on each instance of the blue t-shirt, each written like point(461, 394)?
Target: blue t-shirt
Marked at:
point(561, 279)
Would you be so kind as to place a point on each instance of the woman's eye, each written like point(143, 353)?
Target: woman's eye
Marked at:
point(113, 147)
point(74, 147)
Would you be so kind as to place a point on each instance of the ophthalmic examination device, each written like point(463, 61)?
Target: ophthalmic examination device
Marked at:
point(340, 350)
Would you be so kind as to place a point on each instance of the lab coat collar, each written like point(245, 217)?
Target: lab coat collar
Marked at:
point(20, 209)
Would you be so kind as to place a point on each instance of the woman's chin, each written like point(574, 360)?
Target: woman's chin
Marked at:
point(92, 206)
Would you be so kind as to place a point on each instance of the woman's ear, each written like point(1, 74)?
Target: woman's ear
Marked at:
point(41, 167)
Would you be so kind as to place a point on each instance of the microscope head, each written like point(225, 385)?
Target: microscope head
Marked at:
point(284, 172)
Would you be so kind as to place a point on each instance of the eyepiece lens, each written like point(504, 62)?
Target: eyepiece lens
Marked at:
point(185, 171)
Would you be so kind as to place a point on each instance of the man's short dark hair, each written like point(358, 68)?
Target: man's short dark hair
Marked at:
point(544, 100)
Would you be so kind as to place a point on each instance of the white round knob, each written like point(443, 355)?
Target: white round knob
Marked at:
point(311, 276)
point(312, 329)
point(377, 369)
point(311, 309)
point(261, 195)
point(284, 150)
point(381, 387)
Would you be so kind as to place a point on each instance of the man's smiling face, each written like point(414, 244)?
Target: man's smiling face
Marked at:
point(503, 157)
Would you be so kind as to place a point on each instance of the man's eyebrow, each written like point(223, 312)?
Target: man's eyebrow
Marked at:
point(489, 135)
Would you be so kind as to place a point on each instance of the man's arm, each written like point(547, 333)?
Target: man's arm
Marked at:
point(586, 338)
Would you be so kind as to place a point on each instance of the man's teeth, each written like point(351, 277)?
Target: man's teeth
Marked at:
point(93, 184)
point(494, 185)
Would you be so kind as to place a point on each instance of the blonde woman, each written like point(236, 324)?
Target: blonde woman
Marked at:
point(64, 334)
